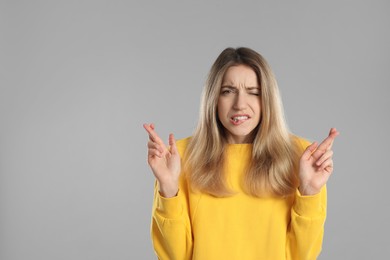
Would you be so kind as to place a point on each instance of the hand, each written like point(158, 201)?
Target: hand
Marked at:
point(164, 162)
point(316, 165)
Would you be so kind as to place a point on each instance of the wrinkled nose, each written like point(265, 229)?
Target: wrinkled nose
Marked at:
point(240, 101)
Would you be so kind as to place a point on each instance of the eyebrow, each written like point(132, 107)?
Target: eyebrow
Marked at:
point(233, 87)
point(250, 88)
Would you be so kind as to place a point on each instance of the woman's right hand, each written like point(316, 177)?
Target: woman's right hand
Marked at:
point(164, 162)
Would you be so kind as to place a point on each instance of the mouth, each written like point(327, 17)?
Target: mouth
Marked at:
point(239, 119)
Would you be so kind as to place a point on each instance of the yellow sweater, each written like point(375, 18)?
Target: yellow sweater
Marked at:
point(198, 226)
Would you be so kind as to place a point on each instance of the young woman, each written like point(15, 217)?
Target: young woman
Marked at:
point(242, 187)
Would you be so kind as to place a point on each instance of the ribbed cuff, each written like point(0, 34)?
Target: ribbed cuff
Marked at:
point(308, 206)
point(169, 207)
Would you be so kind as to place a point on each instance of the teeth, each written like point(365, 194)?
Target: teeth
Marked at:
point(237, 118)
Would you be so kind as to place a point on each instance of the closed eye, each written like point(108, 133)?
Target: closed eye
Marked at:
point(254, 91)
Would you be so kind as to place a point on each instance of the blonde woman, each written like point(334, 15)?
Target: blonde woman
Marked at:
point(242, 187)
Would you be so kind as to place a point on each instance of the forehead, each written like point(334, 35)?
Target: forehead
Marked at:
point(240, 75)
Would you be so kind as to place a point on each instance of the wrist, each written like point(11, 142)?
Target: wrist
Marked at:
point(168, 190)
point(304, 190)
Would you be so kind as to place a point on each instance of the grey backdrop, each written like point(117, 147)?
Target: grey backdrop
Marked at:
point(79, 78)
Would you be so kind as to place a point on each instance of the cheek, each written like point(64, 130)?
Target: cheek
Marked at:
point(258, 105)
point(218, 112)
point(255, 103)
point(220, 116)
point(220, 108)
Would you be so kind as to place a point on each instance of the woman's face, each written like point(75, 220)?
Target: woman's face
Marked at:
point(239, 108)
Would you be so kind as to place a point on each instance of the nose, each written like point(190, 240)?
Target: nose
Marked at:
point(240, 101)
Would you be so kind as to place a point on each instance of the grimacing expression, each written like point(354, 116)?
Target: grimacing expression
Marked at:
point(239, 105)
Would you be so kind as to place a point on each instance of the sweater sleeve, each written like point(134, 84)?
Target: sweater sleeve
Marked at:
point(170, 228)
point(306, 229)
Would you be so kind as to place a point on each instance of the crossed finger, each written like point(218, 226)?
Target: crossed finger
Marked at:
point(155, 141)
point(326, 145)
point(326, 156)
point(153, 136)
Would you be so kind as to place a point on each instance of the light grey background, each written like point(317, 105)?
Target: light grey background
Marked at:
point(79, 78)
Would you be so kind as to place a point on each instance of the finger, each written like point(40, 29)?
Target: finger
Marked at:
point(309, 150)
point(153, 135)
point(154, 152)
point(332, 132)
point(329, 169)
point(154, 145)
point(149, 128)
point(172, 144)
point(328, 154)
point(327, 165)
point(327, 143)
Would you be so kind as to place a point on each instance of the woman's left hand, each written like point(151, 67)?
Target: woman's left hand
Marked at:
point(316, 165)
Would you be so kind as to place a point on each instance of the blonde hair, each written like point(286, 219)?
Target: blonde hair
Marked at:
point(272, 170)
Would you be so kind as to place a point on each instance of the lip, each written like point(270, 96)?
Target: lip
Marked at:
point(239, 122)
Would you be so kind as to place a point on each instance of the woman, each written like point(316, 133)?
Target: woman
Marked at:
point(242, 187)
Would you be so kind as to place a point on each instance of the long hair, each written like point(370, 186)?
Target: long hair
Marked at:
point(272, 168)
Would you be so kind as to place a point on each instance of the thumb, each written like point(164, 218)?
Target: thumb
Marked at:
point(309, 150)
